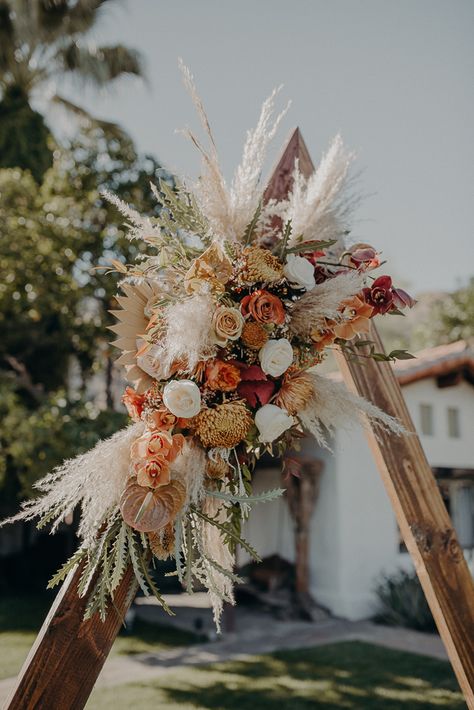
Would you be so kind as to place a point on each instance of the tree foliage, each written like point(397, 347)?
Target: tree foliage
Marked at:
point(54, 301)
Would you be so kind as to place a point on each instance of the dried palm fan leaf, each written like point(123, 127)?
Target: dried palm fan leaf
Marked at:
point(133, 317)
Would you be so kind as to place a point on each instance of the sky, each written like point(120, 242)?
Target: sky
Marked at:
point(394, 78)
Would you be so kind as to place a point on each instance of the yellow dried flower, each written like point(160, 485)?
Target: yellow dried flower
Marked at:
point(296, 390)
point(261, 265)
point(225, 425)
point(254, 335)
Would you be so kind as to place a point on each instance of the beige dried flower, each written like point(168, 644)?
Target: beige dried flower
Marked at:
point(162, 544)
point(224, 426)
point(254, 335)
point(296, 390)
point(261, 265)
point(217, 468)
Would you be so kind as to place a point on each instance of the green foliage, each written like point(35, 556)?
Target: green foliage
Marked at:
point(24, 137)
point(453, 318)
point(403, 603)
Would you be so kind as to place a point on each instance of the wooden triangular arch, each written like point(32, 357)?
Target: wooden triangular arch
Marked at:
point(68, 654)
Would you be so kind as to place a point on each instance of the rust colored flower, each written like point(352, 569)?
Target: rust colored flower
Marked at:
point(323, 338)
point(162, 543)
point(222, 376)
point(296, 390)
point(160, 419)
point(134, 403)
point(380, 295)
point(153, 472)
point(356, 313)
point(254, 336)
point(264, 307)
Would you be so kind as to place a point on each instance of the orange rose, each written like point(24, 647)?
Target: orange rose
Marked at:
point(160, 419)
point(153, 472)
point(356, 313)
point(264, 307)
point(222, 376)
point(134, 403)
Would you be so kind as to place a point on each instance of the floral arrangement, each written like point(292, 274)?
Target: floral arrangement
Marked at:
point(222, 325)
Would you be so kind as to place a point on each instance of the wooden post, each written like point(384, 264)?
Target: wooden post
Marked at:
point(421, 514)
point(68, 654)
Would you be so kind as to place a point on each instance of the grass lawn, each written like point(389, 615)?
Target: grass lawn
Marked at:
point(340, 676)
point(21, 618)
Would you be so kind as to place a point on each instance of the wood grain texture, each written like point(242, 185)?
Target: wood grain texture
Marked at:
point(421, 514)
point(68, 654)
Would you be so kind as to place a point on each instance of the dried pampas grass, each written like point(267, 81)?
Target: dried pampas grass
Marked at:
point(229, 211)
point(189, 468)
point(333, 407)
point(188, 334)
point(94, 480)
point(323, 303)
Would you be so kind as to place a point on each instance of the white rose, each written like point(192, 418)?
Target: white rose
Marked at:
point(276, 356)
point(299, 272)
point(271, 421)
point(182, 398)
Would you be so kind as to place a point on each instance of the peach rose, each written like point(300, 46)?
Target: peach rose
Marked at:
point(153, 472)
point(222, 376)
point(264, 307)
point(157, 443)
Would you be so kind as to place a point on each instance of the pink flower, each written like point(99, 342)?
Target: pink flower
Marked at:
point(364, 257)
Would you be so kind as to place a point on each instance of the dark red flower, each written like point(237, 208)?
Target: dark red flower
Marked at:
point(365, 257)
point(254, 386)
point(313, 256)
point(402, 299)
point(380, 295)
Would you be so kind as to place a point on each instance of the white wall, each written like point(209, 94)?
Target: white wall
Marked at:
point(355, 537)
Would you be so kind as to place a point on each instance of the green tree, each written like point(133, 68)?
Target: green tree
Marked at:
point(54, 302)
point(449, 318)
point(40, 42)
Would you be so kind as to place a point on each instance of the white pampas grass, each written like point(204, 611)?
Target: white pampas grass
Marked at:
point(188, 334)
point(94, 480)
point(190, 467)
point(317, 207)
point(138, 226)
point(324, 302)
point(334, 407)
point(229, 211)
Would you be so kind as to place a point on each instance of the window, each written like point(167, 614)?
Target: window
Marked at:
point(454, 430)
point(426, 419)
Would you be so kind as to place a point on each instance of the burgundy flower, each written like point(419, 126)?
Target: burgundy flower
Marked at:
point(402, 299)
point(380, 295)
point(254, 386)
point(365, 257)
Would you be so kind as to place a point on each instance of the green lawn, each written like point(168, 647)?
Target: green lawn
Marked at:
point(21, 618)
point(340, 676)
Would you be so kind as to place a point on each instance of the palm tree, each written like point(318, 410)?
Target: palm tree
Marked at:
point(40, 42)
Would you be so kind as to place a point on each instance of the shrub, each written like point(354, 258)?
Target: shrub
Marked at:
point(402, 603)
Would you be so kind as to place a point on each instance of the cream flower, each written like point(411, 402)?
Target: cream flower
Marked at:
point(299, 272)
point(276, 357)
point(271, 421)
point(228, 324)
point(182, 398)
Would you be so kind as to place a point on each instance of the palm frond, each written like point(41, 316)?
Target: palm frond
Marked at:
point(7, 36)
point(84, 117)
point(99, 65)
